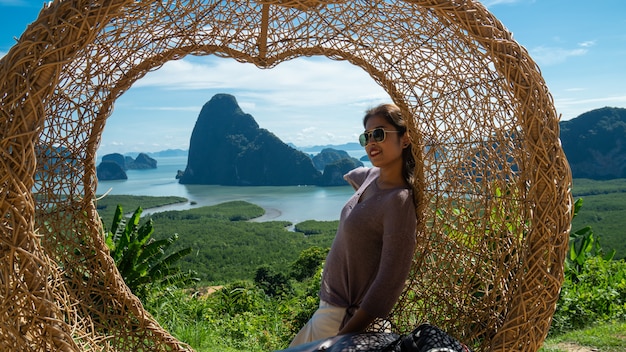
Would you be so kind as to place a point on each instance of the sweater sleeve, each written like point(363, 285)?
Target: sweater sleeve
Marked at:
point(357, 176)
point(399, 241)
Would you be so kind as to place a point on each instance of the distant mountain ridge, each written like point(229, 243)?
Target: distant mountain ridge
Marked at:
point(168, 153)
point(595, 143)
point(320, 148)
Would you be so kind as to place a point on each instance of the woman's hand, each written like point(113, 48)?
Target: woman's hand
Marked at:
point(358, 323)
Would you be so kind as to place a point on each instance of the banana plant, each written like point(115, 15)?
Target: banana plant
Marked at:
point(582, 246)
point(140, 259)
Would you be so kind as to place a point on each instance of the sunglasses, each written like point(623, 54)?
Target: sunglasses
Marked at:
point(378, 134)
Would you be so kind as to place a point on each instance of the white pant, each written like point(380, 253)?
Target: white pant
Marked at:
point(324, 323)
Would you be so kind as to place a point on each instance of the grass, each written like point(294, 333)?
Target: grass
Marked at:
point(609, 337)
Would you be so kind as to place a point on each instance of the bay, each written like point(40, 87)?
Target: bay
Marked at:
point(289, 203)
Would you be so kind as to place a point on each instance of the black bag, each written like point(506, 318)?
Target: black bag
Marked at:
point(427, 338)
point(363, 342)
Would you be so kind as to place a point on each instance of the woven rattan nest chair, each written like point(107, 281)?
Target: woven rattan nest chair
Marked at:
point(493, 190)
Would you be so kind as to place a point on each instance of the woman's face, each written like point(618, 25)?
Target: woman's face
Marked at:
point(388, 152)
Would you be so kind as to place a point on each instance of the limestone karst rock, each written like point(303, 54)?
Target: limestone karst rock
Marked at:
point(227, 147)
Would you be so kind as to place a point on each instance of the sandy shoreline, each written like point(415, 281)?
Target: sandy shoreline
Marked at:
point(270, 214)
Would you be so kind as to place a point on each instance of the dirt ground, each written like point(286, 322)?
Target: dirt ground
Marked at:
point(572, 347)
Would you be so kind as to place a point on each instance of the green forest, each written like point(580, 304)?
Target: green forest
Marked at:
point(604, 209)
point(227, 249)
point(265, 275)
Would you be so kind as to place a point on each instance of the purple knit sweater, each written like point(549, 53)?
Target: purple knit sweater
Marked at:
point(371, 255)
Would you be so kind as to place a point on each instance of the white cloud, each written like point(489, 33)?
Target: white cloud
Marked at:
point(194, 108)
point(572, 107)
point(305, 101)
point(245, 106)
point(587, 44)
point(552, 55)
point(323, 81)
point(489, 3)
point(598, 100)
point(546, 55)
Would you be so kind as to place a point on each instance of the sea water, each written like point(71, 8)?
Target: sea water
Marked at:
point(289, 203)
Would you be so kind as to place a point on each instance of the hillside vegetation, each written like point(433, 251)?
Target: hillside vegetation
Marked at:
point(228, 247)
point(594, 143)
point(106, 205)
point(604, 210)
point(268, 286)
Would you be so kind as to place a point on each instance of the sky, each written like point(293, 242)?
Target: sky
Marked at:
point(580, 47)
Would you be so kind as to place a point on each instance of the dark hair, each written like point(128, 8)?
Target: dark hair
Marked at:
point(393, 115)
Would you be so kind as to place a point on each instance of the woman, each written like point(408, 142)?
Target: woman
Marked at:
point(370, 258)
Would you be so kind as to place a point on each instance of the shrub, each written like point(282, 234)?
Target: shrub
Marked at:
point(140, 260)
point(308, 263)
point(272, 283)
point(594, 289)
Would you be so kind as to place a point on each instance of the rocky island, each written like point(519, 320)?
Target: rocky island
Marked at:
point(227, 147)
point(114, 166)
